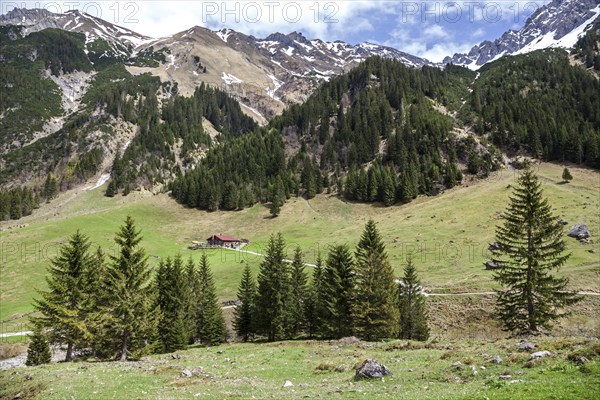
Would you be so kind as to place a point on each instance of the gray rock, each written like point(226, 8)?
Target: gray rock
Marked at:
point(186, 373)
point(491, 265)
point(526, 346)
point(497, 360)
point(562, 222)
point(457, 365)
point(539, 354)
point(580, 231)
point(593, 251)
point(175, 356)
point(505, 377)
point(197, 371)
point(288, 384)
point(350, 340)
point(371, 369)
point(516, 381)
point(581, 360)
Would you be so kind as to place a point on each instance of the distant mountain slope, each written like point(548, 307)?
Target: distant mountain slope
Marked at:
point(265, 75)
point(558, 24)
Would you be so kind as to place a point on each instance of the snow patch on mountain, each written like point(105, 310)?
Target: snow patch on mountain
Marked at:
point(558, 24)
point(230, 79)
point(224, 34)
point(567, 41)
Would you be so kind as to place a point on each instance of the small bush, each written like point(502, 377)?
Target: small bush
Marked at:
point(325, 366)
point(10, 350)
point(516, 358)
point(588, 352)
point(342, 368)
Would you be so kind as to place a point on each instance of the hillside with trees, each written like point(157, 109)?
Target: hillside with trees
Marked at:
point(372, 135)
point(541, 105)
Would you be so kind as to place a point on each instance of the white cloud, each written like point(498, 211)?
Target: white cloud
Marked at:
point(435, 31)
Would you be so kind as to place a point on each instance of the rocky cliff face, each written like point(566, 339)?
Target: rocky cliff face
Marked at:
point(558, 24)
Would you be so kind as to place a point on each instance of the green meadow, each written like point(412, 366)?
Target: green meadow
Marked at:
point(447, 235)
point(433, 370)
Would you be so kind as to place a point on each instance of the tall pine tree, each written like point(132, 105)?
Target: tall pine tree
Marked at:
point(211, 323)
point(314, 309)
point(171, 300)
point(298, 293)
point(413, 315)
point(243, 313)
point(62, 306)
point(272, 310)
point(338, 293)
point(376, 311)
point(530, 247)
point(192, 287)
point(129, 321)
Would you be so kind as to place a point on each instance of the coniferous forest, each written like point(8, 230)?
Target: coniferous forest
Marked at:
point(122, 307)
point(381, 133)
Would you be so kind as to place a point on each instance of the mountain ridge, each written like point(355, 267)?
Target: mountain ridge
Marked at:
point(558, 24)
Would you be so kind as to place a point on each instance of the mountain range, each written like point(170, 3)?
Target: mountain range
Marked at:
point(268, 74)
point(85, 99)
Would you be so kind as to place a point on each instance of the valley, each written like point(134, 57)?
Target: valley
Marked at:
point(405, 228)
point(449, 244)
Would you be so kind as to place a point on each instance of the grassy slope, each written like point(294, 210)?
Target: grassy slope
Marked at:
point(449, 232)
point(324, 370)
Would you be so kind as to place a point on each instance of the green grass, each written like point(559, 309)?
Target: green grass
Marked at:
point(448, 234)
point(325, 370)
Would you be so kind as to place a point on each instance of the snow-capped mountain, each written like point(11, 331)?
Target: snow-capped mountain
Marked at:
point(558, 24)
point(93, 28)
point(264, 74)
point(267, 74)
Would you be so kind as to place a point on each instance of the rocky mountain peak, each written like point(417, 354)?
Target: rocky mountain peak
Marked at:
point(557, 24)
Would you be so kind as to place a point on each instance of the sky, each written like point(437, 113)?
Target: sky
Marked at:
point(429, 29)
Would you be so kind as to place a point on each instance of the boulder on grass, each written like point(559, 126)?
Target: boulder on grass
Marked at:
point(580, 231)
point(492, 265)
point(371, 369)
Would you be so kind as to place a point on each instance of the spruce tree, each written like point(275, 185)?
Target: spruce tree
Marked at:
point(566, 175)
point(94, 300)
point(129, 320)
point(338, 293)
point(111, 189)
point(298, 293)
point(376, 311)
point(62, 306)
point(171, 301)
point(50, 188)
point(273, 291)
point(314, 304)
point(211, 323)
point(413, 314)
point(276, 203)
point(530, 247)
point(39, 351)
point(243, 313)
point(192, 286)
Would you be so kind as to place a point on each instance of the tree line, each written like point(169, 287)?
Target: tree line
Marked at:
point(541, 104)
point(587, 49)
point(378, 113)
point(347, 294)
point(21, 201)
point(117, 307)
